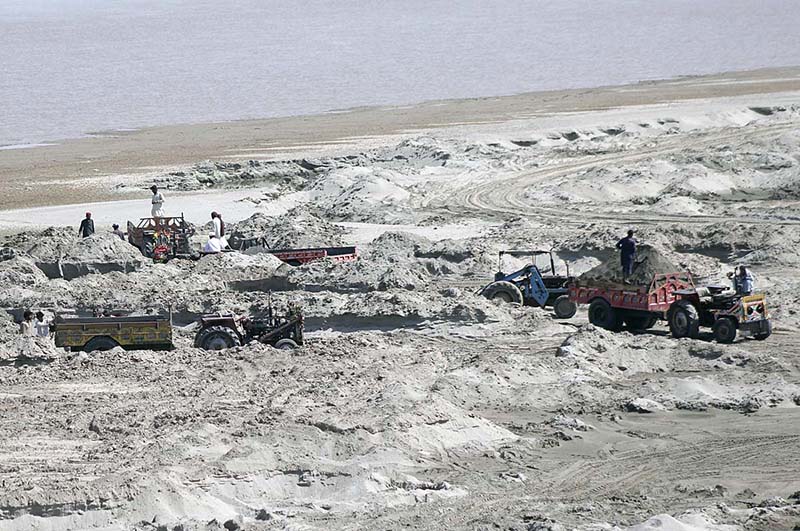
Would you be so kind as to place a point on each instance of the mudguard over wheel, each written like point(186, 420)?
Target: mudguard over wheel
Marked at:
point(100, 343)
point(286, 344)
point(724, 330)
point(603, 315)
point(564, 308)
point(217, 338)
point(684, 320)
point(503, 291)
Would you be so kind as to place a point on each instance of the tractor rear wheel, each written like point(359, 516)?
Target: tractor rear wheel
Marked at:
point(503, 291)
point(603, 315)
point(286, 344)
point(564, 308)
point(684, 320)
point(100, 343)
point(217, 338)
point(724, 330)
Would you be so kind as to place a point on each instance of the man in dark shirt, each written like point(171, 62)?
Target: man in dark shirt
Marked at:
point(627, 247)
point(87, 226)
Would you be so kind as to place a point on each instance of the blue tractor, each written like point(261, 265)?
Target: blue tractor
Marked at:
point(532, 285)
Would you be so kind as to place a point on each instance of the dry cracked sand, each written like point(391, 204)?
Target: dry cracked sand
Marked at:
point(416, 404)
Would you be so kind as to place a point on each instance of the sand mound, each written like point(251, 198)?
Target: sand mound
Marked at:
point(649, 262)
point(63, 243)
point(295, 229)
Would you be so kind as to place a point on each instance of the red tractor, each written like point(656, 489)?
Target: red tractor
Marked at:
point(162, 238)
point(221, 331)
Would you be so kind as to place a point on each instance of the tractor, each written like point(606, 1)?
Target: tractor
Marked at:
point(532, 286)
point(723, 309)
point(162, 238)
point(221, 331)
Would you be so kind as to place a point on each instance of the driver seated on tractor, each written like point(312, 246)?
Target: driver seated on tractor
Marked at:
point(742, 281)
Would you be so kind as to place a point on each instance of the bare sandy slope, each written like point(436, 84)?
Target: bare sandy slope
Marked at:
point(417, 404)
point(75, 171)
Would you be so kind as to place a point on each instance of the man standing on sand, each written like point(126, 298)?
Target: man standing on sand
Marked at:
point(42, 327)
point(219, 225)
point(157, 201)
point(87, 226)
point(627, 247)
point(27, 327)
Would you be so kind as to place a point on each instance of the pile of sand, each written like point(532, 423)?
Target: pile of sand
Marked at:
point(649, 262)
point(295, 229)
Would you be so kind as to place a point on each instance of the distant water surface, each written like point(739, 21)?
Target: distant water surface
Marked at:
point(71, 67)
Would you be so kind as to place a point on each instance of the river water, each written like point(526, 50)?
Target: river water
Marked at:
point(72, 67)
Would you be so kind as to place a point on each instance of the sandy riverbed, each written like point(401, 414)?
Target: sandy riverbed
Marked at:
point(416, 403)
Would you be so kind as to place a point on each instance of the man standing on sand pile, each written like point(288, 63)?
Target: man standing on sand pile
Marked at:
point(87, 226)
point(157, 210)
point(627, 247)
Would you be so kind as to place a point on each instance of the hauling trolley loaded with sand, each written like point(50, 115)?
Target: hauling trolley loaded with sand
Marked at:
point(658, 290)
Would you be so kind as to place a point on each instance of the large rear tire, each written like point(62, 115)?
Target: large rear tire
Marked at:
point(217, 338)
point(724, 330)
point(603, 315)
point(684, 320)
point(100, 343)
point(564, 308)
point(503, 291)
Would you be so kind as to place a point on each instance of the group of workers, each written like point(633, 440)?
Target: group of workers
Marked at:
point(216, 243)
point(741, 278)
point(31, 327)
point(86, 228)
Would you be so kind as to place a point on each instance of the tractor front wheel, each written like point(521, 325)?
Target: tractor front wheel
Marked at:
point(503, 291)
point(603, 315)
point(217, 338)
point(286, 344)
point(564, 308)
point(724, 330)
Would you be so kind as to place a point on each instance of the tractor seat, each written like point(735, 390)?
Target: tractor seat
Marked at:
point(703, 292)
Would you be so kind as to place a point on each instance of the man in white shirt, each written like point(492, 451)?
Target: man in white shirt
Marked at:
point(213, 245)
point(219, 226)
point(157, 201)
point(42, 327)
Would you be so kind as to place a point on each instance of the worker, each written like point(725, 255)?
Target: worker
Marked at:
point(219, 225)
point(743, 281)
point(627, 247)
point(27, 327)
point(118, 232)
point(157, 201)
point(87, 226)
point(42, 326)
point(213, 245)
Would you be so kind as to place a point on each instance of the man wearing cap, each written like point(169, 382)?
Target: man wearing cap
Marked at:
point(157, 201)
point(627, 247)
point(87, 226)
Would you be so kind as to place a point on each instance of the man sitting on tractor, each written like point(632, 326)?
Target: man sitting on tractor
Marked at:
point(742, 281)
